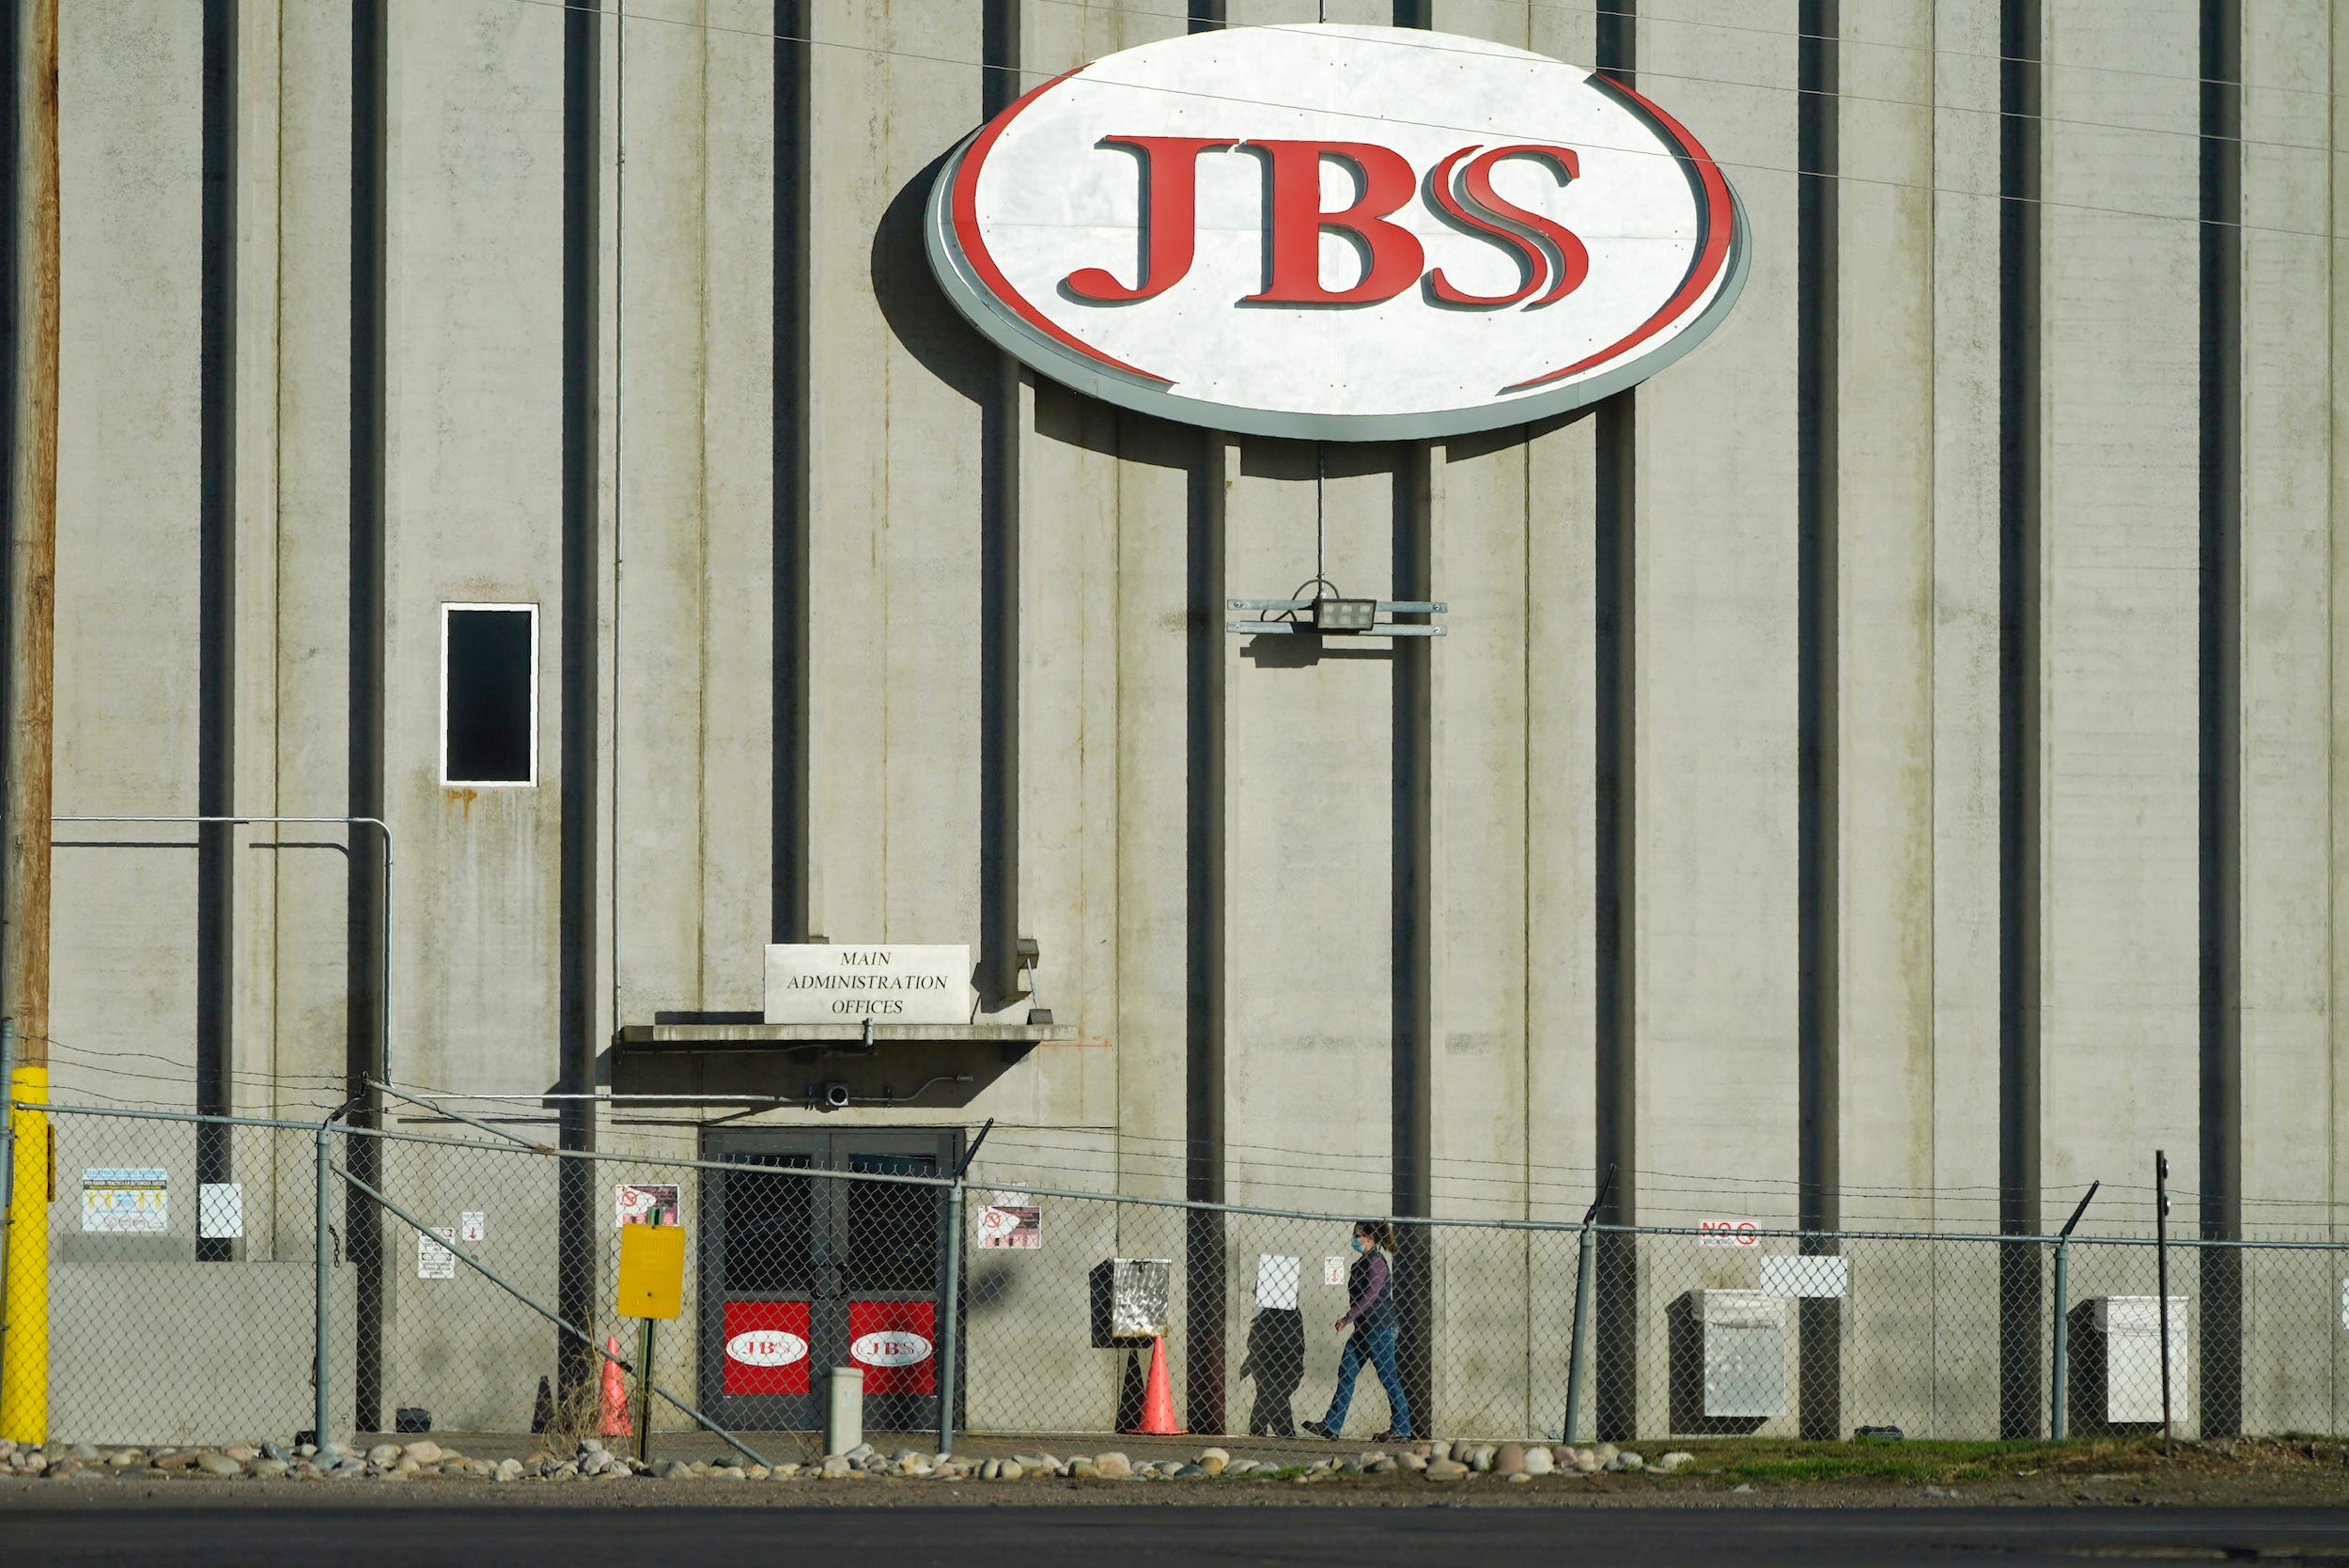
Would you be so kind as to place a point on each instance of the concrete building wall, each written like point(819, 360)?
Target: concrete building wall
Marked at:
point(895, 642)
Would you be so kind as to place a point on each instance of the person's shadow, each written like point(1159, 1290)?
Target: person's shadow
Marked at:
point(1276, 1359)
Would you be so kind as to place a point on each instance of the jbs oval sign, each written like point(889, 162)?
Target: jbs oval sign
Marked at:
point(766, 1347)
point(1344, 233)
point(891, 1347)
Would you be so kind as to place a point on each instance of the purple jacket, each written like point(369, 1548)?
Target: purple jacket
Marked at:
point(1370, 1287)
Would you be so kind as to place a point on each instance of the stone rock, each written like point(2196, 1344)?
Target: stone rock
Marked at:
point(182, 1459)
point(1030, 1463)
point(836, 1466)
point(275, 1451)
point(1446, 1469)
point(425, 1452)
point(124, 1460)
point(509, 1469)
point(87, 1452)
point(65, 1466)
point(1587, 1463)
point(405, 1467)
point(1630, 1461)
point(588, 1446)
point(1516, 1475)
point(1112, 1465)
point(218, 1464)
point(1213, 1460)
point(1480, 1458)
point(1673, 1460)
point(1538, 1460)
point(1084, 1468)
point(385, 1454)
point(862, 1450)
point(730, 1472)
point(7, 1448)
point(1605, 1451)
point(1010, 1470)
point(1192, 1472)
point(1414, 1462)
point(1509, 1459)
point(270, 1469)
point(1742, 1486)
point(332, 1453)
point(1381, 1466)
point(240, 1452)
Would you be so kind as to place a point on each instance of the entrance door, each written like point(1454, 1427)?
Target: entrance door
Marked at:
point(802, 1272)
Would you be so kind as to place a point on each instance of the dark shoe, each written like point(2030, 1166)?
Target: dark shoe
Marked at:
point(1392, 1438)
point(1320, 1431)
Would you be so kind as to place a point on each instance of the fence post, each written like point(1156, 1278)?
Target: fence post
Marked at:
point(320, 1431)
point(2059, 1375)
point(321, 1322)
point(1577, 1349)
point(2059, 1393)
point(950, 1326)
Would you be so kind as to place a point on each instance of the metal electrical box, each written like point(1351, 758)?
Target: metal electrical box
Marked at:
point(1139, 1292)
point(2131, 1325)
point(1744, 1339)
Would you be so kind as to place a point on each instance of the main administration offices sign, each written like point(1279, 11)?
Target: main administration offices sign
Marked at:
point(1340, 233)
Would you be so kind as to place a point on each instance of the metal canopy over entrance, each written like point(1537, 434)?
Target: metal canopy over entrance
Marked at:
point(800, 1273)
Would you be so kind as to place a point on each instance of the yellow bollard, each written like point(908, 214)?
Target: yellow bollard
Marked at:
point(24, 1308)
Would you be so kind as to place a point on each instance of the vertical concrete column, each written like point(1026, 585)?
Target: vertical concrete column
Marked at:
point(1962, 1095)
point(2219, 635)
point(2285, 908)
point(305, 403)
point(2336, 433)
point(2022, 698)
point(252, 643)
point(1169, 666)
point(693, 352)
point(1615, 861)
point(1882, 679)
point(216, 599)
point(129, 564)
point(366, 1009)
point(1717, 790)
point(2119, 427)
point(896, 393)
point(1078, 484)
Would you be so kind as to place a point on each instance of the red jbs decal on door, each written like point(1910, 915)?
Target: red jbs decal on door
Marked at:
point(766, 1347)
point(892, 1342)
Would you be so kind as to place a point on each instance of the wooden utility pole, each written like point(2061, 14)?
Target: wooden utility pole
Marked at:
point(24, 795)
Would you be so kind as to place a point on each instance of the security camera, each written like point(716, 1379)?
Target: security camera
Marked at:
point(835, 1097)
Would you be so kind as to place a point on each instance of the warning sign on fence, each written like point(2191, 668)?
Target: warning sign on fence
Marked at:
point(126, 1201)
point(1728, 1233)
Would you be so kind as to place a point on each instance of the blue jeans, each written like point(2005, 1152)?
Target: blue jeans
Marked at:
point(1380, 1345)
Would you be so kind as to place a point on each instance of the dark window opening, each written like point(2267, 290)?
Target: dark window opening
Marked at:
point(486, 702)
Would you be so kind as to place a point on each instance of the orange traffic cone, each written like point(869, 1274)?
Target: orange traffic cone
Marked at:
point(1157, 1400)
point(615, 1413)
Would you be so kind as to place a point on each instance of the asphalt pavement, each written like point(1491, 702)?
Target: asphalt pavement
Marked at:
point(1155, 1536)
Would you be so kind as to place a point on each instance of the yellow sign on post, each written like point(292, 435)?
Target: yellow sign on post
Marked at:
point(652, 1271)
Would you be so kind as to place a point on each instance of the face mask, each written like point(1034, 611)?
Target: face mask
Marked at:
point(1361, 1246)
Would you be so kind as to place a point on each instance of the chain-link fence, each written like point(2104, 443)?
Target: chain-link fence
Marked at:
point(468, 1285)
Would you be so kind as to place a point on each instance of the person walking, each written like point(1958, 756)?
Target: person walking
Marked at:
point(1371, 1313)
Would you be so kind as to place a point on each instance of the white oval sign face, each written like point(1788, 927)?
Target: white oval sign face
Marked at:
point(766, 1347)
point(891, 1347)
point(1341, 233)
